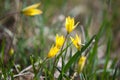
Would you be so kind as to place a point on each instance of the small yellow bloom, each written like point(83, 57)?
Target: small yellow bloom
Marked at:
point(70, 24)
point(59, 41)
point(11, 52)
point(81, 63)
point(76, 41)
point(53, 51)
point(32, 10)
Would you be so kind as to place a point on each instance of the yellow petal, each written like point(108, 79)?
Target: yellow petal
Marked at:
point(53, 51)
point(72, 39)
point(77, 24)
point(76, 41)
point(32, 12)
point(59, 41)
point(70, 24)
point(32, 6)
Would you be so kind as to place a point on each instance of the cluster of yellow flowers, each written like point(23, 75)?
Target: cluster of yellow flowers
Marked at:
point(69, 25)
point(55, 48)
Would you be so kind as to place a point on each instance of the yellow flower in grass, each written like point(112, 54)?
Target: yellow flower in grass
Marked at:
point(59, 41)
point(76, 41)
point(32, 10)
point(81, 63)
point(11, 52)
point(53, 51)
point(70, 24)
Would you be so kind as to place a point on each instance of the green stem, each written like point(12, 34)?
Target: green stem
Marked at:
point(40, 68)
point(114, 75)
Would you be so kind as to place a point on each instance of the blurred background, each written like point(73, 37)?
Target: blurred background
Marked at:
point(35, 35)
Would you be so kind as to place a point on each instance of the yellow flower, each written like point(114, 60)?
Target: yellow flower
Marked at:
point(76, 41)
point(81, 63)
point(59, 41)
point(32, 10)
point(11, 52)
point(53, 51)
point(70, 24)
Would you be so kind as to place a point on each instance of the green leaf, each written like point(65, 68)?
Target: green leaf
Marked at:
point(107, 57)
